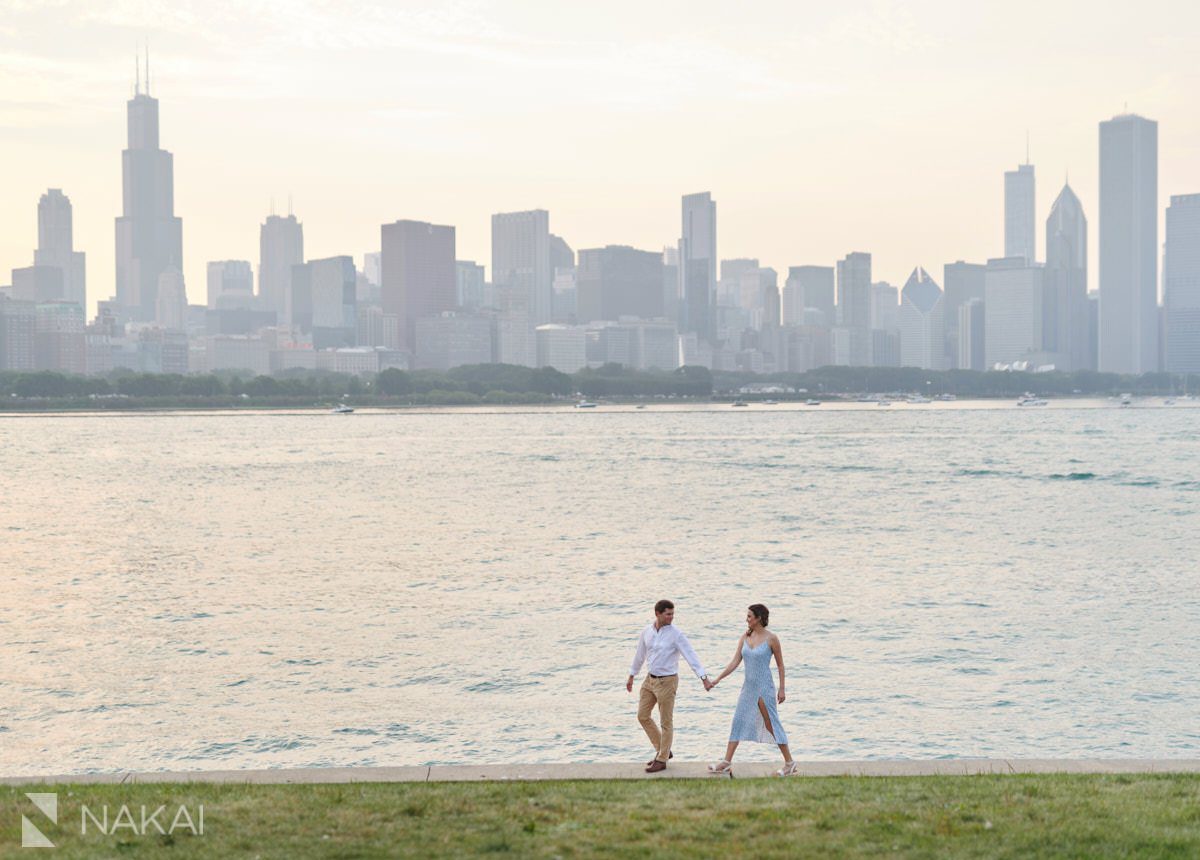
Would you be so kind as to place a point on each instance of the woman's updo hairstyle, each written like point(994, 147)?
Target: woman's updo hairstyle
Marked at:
point(761, 613)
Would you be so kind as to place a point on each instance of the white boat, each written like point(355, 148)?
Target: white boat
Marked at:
point(585, 404)
point(884, 402)
point(1126, 399)
point(740, 403)
point(342, 409)
point(948, 398)
point(1030, 400)
point(1170, 401)
point(811, 402)
point(917, 398)
point(770, 403)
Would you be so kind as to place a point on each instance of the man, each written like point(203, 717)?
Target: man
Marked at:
point(659, 648)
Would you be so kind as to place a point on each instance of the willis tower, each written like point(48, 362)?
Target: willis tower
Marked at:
point(149, 236)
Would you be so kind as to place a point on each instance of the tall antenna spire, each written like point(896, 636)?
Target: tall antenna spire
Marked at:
point(137, 74)
point(147, 67)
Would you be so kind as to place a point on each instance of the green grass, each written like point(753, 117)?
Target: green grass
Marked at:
point(959, 816)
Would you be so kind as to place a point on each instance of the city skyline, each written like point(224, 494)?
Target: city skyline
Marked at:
point(859, 200)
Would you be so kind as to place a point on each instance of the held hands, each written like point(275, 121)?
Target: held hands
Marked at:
point(709, 684)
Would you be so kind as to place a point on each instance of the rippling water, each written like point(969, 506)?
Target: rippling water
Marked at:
point(189, 591)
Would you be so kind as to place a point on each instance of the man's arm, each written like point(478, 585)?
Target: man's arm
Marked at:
point(689, 654)
point(639, 656)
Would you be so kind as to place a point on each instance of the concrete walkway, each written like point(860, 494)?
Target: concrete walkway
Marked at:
point(683, 770)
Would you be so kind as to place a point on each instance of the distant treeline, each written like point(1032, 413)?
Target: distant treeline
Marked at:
point(961, 383)
point(506, 383)
point(483, 383)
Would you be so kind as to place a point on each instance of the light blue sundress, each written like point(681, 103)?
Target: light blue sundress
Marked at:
point(748, 724)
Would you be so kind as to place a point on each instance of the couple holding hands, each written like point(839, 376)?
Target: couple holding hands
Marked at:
point(756, 718)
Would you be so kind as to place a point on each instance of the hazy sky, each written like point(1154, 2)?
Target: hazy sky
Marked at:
point(820, 128)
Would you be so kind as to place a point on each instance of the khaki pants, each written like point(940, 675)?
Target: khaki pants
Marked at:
point(660, 691)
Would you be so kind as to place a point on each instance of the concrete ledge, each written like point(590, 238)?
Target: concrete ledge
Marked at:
point(683, 770)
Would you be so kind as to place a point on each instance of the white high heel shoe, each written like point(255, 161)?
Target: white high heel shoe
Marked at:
point(721, 767)
point(788, 768)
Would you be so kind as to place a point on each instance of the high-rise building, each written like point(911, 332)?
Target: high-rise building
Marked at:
point(698, 264)
point(1181, 283)
point(561, 255)
point(521, 259)
point(854, 309)
point(18, 323)
point(280, 246)
point(1020, 218)
point(617, 281)
point(1128, 245)
point(922, 334)
point(972, 353)
point(170, 309)
point(38, 284)
point(149, 235)
point(809, 287)
point(885, 306)
point(230, 284)
point(452, 339)
point(56, 245)
point(323, 302)
point(1013, 311)
point(58, 340)
point(961, 282)
point(469, 281)
point(1064, 309)
point(418, 271)
point(563, 347)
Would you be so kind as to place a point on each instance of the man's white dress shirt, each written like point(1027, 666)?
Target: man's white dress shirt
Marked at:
point(659, 648)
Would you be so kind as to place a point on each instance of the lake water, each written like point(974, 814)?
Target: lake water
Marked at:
point(202, 591)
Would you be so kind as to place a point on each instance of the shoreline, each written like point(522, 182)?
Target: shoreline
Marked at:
point(617, 771)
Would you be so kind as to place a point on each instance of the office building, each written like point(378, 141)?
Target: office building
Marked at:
point(1181, 285)
point(922, 335)
point(961, 283)
point(617, 281)
point(1128, 245)
point(323, 302)
point(521, 259)
point(971, 335)
point(562, 347)
point(230, 284)
point(809, 287)
point(1013, 311)
point(418, 270)
point(1020, 219)
point(1064, 307)
point(280, 246)
point(452, 339)
point(149, 237)
point(698, 264)
point(56, 245)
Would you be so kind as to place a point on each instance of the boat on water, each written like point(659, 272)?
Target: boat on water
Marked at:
point(341, 409)
point(1126, 399)
point(1170, 401)
point(770, 403)
point(883, 402)
point(1030, 400)
point(641, 406)
point(947, 398)
point(740, 403)
point(585, 404)
point(917, 398)
point(811, 402)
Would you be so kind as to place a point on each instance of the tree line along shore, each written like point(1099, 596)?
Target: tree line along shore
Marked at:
point(499, 384)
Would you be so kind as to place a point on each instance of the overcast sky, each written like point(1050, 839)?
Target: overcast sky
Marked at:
point(820, 128)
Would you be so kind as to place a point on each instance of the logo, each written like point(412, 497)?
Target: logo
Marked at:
point(47, 803)
point(144, 822)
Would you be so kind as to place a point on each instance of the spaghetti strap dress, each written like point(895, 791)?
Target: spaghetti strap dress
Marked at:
point(748, 723)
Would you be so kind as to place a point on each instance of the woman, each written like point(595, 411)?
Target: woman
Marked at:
point(756, 718)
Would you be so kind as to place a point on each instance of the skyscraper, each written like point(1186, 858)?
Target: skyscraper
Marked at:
point(230, 284)
point(617, 281)
point(149, 236)
point(698, 264)
point(809, 287)
point(1181, 281)
point(1064, 309)
point(1020, 231)
point(56, 246)
point(323, 302)
point(418, 273)
point(1013, 311)
point(922, 335)
point(854, 307)
point(962, 283)
point(280, 246)
point(1128, 245)
point(521, 259)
